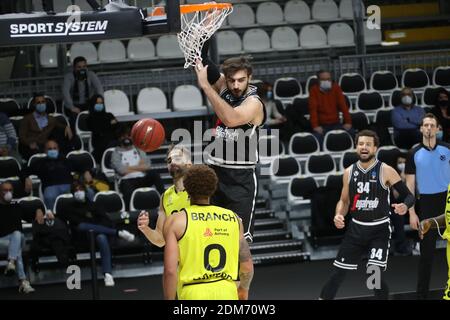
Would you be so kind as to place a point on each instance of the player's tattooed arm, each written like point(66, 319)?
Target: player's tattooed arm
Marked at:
point(246, 270)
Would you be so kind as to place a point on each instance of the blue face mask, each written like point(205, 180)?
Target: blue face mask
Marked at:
point(99, 107)
point(41, 107)
point(52, 154)
point(269, 95)
point(439, 135)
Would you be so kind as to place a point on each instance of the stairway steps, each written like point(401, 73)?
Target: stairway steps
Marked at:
point(280, 257)
point(275, 246)
point(271, 235)
point(269, 223)
point(263, 214)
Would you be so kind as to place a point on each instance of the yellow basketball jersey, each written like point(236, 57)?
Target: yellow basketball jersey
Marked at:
point(446, 234)
point(209, 248)
point(174, 201)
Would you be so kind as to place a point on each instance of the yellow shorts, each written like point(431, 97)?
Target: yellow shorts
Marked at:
point(219, 290)
point(447, 288)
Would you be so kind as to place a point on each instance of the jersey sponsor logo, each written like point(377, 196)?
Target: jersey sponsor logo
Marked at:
point(82, 28)
point(207, 233)
point(207, 276)
point(442, 157)
point(364, 204)
point(212, 216)
point(227, 134)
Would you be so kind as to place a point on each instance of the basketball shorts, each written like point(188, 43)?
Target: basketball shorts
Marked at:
point(236, 191)
point(217, 290)
point(365, 241)
point(447, 288)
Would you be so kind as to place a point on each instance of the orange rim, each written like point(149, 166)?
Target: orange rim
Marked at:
point(189, 8)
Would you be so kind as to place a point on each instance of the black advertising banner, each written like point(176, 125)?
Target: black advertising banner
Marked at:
point(30, 29)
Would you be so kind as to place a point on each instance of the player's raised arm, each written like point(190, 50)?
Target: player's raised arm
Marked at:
point(343, 203)
point(155, 236)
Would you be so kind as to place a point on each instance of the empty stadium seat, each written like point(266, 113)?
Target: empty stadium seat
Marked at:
point(151, 100)
point(313, 36)
point(302, 144)
point(256, 40)
point(228, 42)
point(111, 51)
point(269, 13)
point(286, 89)
point(242, 16)
point(48, 56)
point(383, 81)
point(284, 38)
point(360, 121)
point(117, 102)
point(139, 49)
point(441, 76)
point(320, 166)
point(296, 11)
point(187, 97)
point(324, 10)
point(369, 102)
point(167, 47)
point(283, 171)
point(270, 148)
point(144, 199)
point(301, 189)
point(347, 159)
point(81, 160)
point(340, 35)
point(111, 201)
point(415, 78)
point(10, 107)
point(389, 155)
point(429, 96)
point(84, 49)
point(352, 83)
point(337, 141)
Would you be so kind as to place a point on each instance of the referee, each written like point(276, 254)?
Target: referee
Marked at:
point(428, 171)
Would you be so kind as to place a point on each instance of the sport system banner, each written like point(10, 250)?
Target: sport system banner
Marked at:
point(30, 29)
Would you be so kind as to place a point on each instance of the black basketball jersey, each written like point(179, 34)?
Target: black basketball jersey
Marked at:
point(369, 197)
point(236, 147)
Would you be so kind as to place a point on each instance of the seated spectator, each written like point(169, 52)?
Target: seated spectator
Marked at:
point(133, 167)
point(11, 232)
point(55, 174)
point(86, 215)
point(406, 120)
point(274, 119)
point(325, 102)
point(8, 138)
point(103, 126)
point(79, 86)
point(441, 110)
point(38, 127)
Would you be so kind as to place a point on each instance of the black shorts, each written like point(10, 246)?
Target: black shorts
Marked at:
point(364, 241)
point(236, 191)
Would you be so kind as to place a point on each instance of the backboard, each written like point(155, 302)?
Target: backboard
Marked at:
point(117, 21)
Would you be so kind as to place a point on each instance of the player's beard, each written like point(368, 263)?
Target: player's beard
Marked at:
point(368, 159)
point(177, 171)
point(240, 93)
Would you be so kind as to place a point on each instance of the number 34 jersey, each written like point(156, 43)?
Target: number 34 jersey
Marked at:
point(369, 197)
point(209, 248)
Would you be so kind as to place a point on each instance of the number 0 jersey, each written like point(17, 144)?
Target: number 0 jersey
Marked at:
point(209, 248)
point(174, 201)
point(369, 197)
point(446, 234)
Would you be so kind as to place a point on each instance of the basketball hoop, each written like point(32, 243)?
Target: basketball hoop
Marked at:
point(198, 23)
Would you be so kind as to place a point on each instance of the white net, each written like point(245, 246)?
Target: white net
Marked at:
point(196, 29)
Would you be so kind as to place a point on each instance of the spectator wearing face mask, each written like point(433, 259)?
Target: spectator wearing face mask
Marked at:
point(38, 127)
point(133, 167)
point(86, 215)
point(79, 86)
point(325, 102)
point(11, 232)
point(54, 171)
point(103, 125)
point(442, 111)
point(406, 120)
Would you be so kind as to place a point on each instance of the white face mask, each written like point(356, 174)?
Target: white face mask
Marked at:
point(8, 196)
point(325, 85)
point(401, 167)
point(407, 100)
point(80, 196)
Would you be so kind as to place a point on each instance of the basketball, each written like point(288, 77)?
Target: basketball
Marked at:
point(148, 134)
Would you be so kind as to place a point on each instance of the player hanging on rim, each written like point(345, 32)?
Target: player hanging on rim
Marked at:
point(240, 114)
point(365, 194)
point(174, 199)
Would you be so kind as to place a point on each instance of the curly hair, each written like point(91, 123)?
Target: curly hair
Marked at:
point(200, 181)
